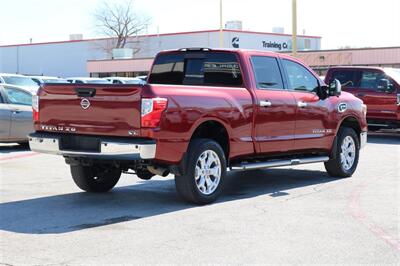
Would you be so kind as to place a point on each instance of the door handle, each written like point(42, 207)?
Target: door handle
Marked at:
point(265, 103)
point(16, 111)
point(360, 94)
point(301, 104)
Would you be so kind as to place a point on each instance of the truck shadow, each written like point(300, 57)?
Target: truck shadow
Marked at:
point(384, 138)
point(78, 211)
point(9, 148)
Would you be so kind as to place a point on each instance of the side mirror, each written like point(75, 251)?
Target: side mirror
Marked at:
point(385, 85)
point(335, 88)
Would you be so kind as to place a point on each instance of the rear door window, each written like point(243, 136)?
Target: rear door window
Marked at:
point(197, 68)
point(267, 72)
point(348, 78)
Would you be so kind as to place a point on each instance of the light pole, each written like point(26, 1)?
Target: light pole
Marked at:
point(294, 27)
point(221, 32)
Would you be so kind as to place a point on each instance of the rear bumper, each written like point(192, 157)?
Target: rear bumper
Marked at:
point(108, 148)
point(363, 139)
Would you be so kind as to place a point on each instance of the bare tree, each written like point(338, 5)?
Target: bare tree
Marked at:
point(119, 21)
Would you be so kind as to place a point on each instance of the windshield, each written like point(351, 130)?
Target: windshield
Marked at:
point(394, 73)
point(19, 81)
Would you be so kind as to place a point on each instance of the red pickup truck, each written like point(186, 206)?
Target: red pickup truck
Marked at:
point(202, 112)
point(378, 87)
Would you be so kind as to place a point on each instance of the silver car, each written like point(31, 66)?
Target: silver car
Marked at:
point(15, 114)
point(20, 81)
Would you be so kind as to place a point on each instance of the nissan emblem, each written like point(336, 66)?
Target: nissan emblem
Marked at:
point(85, 104)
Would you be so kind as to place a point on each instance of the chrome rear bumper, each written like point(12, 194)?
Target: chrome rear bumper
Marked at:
point(108, 148)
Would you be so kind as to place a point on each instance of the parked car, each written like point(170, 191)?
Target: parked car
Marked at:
point(124, 80)
point(144, 78)
point(15, 114)
point(379, 88)
point(21, 81)
point(83, 80)
point(202, 111)
point(39, 80)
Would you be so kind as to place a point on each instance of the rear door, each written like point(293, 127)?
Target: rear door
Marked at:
point(312, 121)
point(5, 118)
point(20, 106)
point(275, 109)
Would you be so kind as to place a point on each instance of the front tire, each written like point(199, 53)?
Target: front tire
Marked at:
point(205, 172)
point(95, 178)
point(347, 154)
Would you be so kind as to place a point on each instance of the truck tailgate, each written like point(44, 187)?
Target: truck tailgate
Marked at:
point(105, 109)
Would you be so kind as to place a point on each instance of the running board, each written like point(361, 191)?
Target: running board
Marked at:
point(276, 163)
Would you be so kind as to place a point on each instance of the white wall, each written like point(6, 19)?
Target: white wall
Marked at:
point(69, 58)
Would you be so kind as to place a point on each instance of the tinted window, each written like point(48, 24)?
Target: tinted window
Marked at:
point(205, 68)
point(222, 69)
point(18, 96)
point(370, 79)
point(348, 78)
point(266, 72)
point(168, 69)
point(299, 77)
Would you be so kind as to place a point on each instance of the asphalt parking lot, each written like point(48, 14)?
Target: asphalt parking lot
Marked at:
point(283, 215)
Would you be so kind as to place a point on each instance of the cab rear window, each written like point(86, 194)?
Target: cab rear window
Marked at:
point(197, 68)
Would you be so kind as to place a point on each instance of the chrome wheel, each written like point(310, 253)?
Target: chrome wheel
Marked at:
point(207, 172)
point(348, 153)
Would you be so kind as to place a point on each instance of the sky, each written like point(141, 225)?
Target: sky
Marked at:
point(341, 23)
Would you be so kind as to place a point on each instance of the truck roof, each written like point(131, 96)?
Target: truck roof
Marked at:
point(232, 50)
point(357, 67)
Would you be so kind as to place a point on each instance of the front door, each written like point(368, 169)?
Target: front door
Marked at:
point(381, 103)
point(276, 107)
point(20, 107)
point(5, 119)
point(314, 131)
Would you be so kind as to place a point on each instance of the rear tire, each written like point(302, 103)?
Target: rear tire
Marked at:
point(95, 178)
point(347, 154)
point(205, 172)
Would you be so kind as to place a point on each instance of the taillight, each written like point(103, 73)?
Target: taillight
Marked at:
point(35, 108)
point(151, 111)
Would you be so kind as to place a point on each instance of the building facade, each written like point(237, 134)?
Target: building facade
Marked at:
point(321, 60)
point(94, 57)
